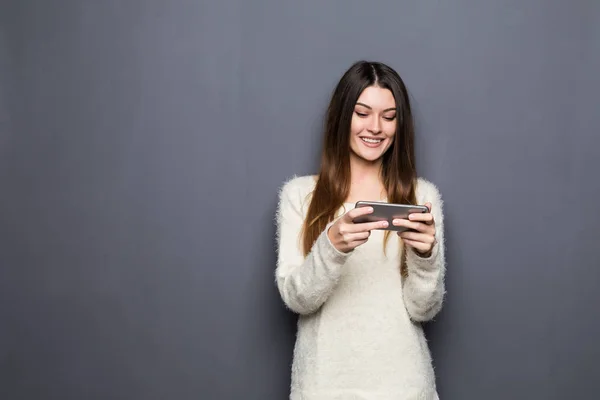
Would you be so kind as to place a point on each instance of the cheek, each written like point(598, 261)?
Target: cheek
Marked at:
point(390, 130)
point(356, 126)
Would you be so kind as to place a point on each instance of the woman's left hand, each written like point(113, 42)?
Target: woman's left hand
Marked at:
point(421, 236)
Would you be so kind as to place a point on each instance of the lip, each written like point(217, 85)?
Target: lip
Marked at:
point(371, 145)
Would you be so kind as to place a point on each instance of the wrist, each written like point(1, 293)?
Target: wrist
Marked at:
point(421, 254)
point(426, 254)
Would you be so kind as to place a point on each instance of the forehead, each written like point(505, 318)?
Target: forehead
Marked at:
point(377, 98)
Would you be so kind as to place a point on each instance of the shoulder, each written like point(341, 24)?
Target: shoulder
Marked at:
point(295, 192)
point(427, 191)
point(298, 187)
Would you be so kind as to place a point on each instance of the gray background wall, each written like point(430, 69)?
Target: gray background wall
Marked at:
point(142, 145)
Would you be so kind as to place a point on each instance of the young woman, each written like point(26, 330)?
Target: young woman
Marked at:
point(361, 293)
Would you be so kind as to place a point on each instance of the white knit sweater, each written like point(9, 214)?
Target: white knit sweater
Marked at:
point(359, 332)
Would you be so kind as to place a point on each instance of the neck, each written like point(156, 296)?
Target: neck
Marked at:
point(361, 170)
point(365, 180)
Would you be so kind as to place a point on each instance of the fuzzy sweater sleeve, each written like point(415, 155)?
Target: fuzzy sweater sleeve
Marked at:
point(424, 287)
point(304, 283)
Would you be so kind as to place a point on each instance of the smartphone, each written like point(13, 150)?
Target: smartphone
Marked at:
point(388, 212)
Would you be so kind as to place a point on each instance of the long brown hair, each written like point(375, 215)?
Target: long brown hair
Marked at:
point(398, 171)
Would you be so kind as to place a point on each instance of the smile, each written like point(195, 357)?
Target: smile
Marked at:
point(370, 142)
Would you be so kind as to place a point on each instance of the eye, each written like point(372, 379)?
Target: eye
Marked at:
point(390, 118)
point(362, 115)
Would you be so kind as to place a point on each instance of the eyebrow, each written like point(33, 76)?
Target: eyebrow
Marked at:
point(364, 105)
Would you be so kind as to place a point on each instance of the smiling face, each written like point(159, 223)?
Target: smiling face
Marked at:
point(373, 124)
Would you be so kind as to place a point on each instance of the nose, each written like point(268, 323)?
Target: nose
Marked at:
point(375, 126)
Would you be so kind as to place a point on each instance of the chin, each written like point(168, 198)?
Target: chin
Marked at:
point(370, 157)
point(371, 154)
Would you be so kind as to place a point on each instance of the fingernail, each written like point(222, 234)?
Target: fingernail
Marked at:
point(384, 224)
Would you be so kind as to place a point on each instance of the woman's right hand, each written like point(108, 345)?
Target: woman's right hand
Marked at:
point(345, 235)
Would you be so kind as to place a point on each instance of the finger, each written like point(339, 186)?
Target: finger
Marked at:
point(357, 212)
point(417, 237)
point(368, 226)
point(423, 217)
point(414, 225)
point(350, 237)
point(428, 205)
point(422, 247)
point(357, 237)
point(358, 243)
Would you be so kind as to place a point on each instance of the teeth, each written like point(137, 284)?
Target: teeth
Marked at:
point(371, 140)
